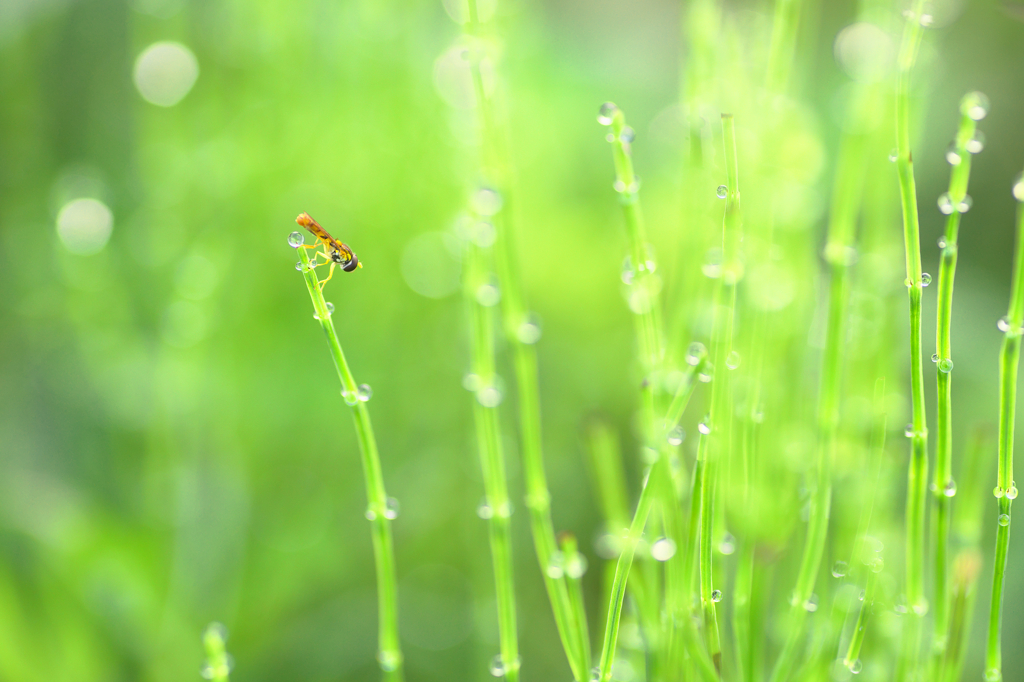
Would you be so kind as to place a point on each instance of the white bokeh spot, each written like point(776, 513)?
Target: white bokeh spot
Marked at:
point(165, 72)
point(84, 226)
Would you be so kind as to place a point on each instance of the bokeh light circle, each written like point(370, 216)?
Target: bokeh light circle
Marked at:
point(165, 72)
point(84, 226)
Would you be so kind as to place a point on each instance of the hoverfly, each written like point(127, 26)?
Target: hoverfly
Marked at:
point(335, 252)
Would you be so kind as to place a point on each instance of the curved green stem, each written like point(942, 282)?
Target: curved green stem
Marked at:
point(944, 486)
point(389, 654)
point(1006, 489)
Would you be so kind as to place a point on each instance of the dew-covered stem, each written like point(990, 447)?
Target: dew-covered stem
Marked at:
point(481, 298)
point(719, 422)
point(840, 253)
point(959, 156)
point(522, 332)
point(389, 655)
point(1006, 489)
point(917, 474)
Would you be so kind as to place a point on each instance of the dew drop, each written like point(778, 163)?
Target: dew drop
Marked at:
point(909, 431)
point(976, 143)
point(364, 393)
point(676, 435)
point(876, 565)
point(722, 192)
point(704, 427)
point(576, 566)
point(926, 279)
point(1018, 187)
point(486, 201)
point(1011, 492)
point(945, 365)
point(389, 660)
point(295, 239)
point(298, 266)
point(974, 105)
point(529, 330)
point(663, 549)
point(313, 262)
point(370, 514)
point(855, 666)
point(606, 114)
point(945, 203)
point(993, 675)
point(595, 674)
point(953, 155)
point(998, 492)
point(392, 508)
point(942, 243)
point(935, 357)
point(556, 566)
point(489, 396)
point(732, 361)
point(488, 295)
point(351, 398)
point(728, 545)
point(627, 135)
point(483, 510)
point(707, 373)
point(949, 490)
point(497, 666)
point(695, 353)
point(1003, 324)
point(811, 605)
point(716, 596)
point(627, 274)
point(1004, 519)
point(965, 204)
point(839, 569)
point(893, 155)
point(712, 266)
point(483, 234)
point(330, 307)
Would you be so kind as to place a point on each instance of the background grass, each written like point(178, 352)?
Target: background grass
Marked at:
point(173, 448)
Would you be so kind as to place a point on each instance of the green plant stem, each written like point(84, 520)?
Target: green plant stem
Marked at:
point(785, 22)
point(720, 417)
point(570, 620)
point(492, 461)
point(622, 568)
point(840, 253)
point(1009, 359)
point(389, 654)
point(917, 476)
point(944, 485)
point(649, 330)
point(857, 640)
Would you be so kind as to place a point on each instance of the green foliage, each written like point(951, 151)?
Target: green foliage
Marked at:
point(174, 448)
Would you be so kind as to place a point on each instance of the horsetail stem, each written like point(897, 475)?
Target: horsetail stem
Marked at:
point(389, 654)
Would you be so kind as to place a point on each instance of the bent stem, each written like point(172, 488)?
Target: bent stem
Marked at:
point(945, 487)
point(1006, 490)
point(389, 654)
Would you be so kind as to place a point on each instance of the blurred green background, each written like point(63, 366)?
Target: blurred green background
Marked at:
point(173, 447)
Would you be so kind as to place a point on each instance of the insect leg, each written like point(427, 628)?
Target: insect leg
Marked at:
point(329, 275)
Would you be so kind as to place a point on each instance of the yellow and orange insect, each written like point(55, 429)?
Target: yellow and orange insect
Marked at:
point(335, 252)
